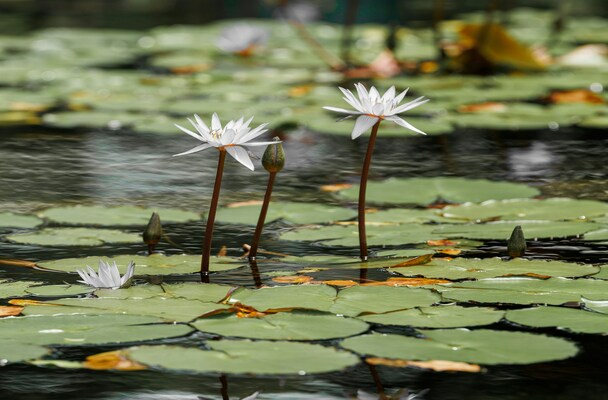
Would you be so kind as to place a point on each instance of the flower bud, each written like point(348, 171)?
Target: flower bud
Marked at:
point(273, 159)
point(516, 245)
point(153, 231)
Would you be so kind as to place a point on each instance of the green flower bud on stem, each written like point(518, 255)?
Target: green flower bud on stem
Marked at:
point(516, 245)
point(153, 232)
point(273, 159)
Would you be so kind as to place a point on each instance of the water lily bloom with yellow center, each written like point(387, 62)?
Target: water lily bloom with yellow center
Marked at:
point(241, 39)
point(234, 137)
point(372, 108)
point(108, 276)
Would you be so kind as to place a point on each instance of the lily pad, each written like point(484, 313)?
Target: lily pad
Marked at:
point(441, 316)
point(58, 290)
point(246, 357)
point(283, 326)
point(311, 297)
point(15, 288)
point(599, 234)
point(578, 321)
point(89, 329)
point(481, 346)
point(74, 237)
point(501, 230)
point(12, 220)
point(13, 351)
point(557, 209)
point(114, 216)
point(156, 264)
point(473, 268)
point(424, 191)
point(297, 213)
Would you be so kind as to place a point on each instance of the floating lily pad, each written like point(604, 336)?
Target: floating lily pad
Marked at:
point(15, 288)
point(558, 209)
point(58, 290)
point(156, 264)
point(11, 220)
point(482, 346)
point(424, 191)
point(473, 268)
point(403, 216)
point(441, 316)
point(578, 321)
point(297, 213)
point(599, 234)
point(75, 237)
point(501, 230)
point(246, 357)
point(311, 297)
point(89, 329)
point(114, 216)
point(283, 326)
point(12, 351)
point(554, 291)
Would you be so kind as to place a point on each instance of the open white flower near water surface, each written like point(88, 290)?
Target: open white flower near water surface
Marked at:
point(234, 137)
point(241, 38)
point(371, 108)
point(108, 276)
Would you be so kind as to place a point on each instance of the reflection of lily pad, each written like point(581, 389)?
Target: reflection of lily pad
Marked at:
point(442, 316)
point(579, 321)
point(156, 264)
point(480, 346)
point(11, 220)
point(426, 190)
point(298, 213)
point(283, 326)
point(75, 237)
point(245, 356)
point(114, 216)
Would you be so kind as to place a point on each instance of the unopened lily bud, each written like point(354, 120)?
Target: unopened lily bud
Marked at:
point(153, 231)
point(273, 159)
point(516, 245)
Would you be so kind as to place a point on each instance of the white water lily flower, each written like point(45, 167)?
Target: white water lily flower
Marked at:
point(371, 108)
point(234, 137)
point(108, 276)
point(241, 38)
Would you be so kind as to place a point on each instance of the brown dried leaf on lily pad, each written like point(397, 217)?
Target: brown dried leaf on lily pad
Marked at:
point(18, 263)
point(442, 242)
point(10, 311)
point(406, 282)
point(340, 282)
point(450, 252)
point(336, 187)
point(245, 203)
point(435, 365)
point(112, 360)
point(25, 302)
point(223, 252)
point(574, 96)
point(293, 279)
point(490, 106)
point(423, 259)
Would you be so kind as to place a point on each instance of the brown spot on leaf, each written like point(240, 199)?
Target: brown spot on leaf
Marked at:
point(112, 360)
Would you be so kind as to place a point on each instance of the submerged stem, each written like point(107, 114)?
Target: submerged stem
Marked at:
point(211, 218)
point(362, 189)
point(260, 226)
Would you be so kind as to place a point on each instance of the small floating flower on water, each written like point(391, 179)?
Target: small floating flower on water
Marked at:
point(108, 276)
point(373, 108)
point(234, 137)
point(241, 39)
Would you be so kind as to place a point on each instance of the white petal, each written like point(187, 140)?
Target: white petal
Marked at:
point(252, 134)
point(261, 143)
point(240, 154)
point(194, 149)
point(228, 137)
point(389, 94)
point(341, 110)
point(351, 99)
point(400, 97)
point(404, 123)
point(373, 93)
point(201, 123)
point(246, 123)
point(378, 109)
point(216, 125)
point(363, 123)
point(363, 97)
point(189, 132)
point(409, 106)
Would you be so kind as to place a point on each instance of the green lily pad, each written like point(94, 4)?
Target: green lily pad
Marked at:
point(58, 290)
point(15, 288)
point(12, 351)
point(90, 119)
point(11, 220)
point(404, 216)
point(283, 326)
point(554, 291)
point(578, 321)
point(599, 234)
point(297, 213)
point(501, 230)
point(481, 346)
point(89, 329)
point(424, 191)
point(311, 297)
point(557, 209)
point(441, 316)
point(156, 264)
point(473, 268)
point(114, 216)
point(246, 357)
point(356, 300)
point(74, 237)
point(595, 122)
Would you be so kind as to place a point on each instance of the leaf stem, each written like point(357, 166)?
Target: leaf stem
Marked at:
point(211, 218)
point(362, 190)
point(260, 226)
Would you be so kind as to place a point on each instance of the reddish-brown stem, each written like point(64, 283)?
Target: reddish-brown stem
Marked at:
point(260, 226)
point(211, 218)
point(362, 189)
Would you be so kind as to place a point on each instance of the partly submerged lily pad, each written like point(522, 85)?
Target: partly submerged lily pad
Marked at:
point(283, 326)
point(297, 213)
point(424, 191)
point(246, 357)
point(578, 321)
point(114, 216)
point(441, 316)
point(12, 220)
point(75, 237)
point(481, 346)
